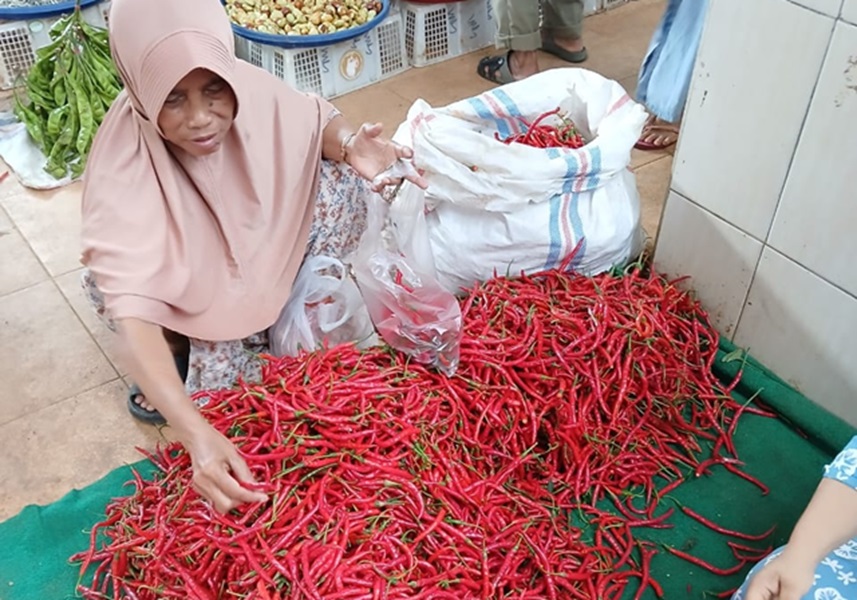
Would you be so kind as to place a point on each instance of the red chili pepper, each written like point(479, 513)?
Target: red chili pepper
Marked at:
point(719, 529)
point(707, 566)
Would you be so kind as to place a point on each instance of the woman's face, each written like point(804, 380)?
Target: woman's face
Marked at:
point(198, 113)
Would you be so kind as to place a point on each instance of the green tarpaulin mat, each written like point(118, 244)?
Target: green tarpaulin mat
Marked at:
point(786, 453)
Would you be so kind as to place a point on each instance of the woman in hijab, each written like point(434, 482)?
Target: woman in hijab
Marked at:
point(208, 183)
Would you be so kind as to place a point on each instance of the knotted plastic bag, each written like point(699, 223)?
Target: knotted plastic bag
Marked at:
point(325, 308)
point(395, 272)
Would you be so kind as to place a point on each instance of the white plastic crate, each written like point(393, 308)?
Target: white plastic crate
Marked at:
point(105, 12)
point(438, 32)
point(477, 24)
point(19, 41)
point(336, 69)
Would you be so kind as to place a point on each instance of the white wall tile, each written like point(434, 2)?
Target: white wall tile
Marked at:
point(828, 7)
point(815, 222)
point(803, 328)
point(849, 11)
point(719, 258)
point(757, 66)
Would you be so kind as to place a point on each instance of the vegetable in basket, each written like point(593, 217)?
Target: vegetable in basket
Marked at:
point(302, 17)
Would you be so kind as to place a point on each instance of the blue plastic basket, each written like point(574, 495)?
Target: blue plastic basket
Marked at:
point(313, 41)
point(24, 13)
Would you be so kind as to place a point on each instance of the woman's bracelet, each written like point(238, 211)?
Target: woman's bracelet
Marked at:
point(343, 147)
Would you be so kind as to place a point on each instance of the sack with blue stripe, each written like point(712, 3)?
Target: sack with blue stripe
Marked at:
point(514, 208)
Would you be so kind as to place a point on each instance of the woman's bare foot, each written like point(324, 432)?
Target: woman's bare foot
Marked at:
point(657, 134)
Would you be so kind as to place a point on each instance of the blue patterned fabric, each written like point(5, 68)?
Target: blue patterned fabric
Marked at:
point(836, 575)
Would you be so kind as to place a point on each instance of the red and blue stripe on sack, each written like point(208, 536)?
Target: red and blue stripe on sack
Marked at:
point(498, 107)
point(565, 225)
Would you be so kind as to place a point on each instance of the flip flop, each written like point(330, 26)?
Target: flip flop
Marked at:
point(551, 47)
point(496, 69)
point(652, 128)
point(153, 417)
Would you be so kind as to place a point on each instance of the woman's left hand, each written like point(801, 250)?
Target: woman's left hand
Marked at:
point(370, 154)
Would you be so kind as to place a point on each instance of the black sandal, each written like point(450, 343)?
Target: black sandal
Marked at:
point(153, 417)
point(551, 47)
point(496, 69)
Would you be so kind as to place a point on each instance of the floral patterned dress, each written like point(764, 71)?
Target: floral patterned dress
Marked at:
point(339, 220)
point(836, 575)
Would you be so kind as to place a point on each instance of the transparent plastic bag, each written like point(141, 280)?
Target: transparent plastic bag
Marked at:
point(325, 307)
point(395, 272)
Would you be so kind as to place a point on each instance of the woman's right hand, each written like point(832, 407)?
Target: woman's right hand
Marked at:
point(218, 469)
point(786, 577)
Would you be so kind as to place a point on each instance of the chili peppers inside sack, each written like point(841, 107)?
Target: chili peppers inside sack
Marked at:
point(530, 201)
point(578, 406)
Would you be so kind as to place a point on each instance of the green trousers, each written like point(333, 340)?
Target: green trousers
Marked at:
point(519, 26)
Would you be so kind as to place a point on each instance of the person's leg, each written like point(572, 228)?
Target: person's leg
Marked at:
point(179, 345)
point(657, 133)
point(219, 365)
point(562, 30)
point(518, 33)
point(666, 72)
point(518, 24)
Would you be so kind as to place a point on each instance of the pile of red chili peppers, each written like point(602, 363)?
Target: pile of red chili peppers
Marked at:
point(389, 480)
point(540, 135)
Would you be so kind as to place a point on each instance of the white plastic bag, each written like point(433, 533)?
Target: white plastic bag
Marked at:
point(325, 307)
point(24, 157)
point(395, 271)
point(514, 208)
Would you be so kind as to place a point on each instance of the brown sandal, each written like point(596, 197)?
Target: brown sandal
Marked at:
point(652, 126)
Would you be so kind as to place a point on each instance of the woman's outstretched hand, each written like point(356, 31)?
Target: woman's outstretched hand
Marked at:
point(371, 155)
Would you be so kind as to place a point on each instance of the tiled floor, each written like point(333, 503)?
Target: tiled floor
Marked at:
point(62, 418)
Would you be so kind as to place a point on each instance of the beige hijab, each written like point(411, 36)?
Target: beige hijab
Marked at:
point(208, 247)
